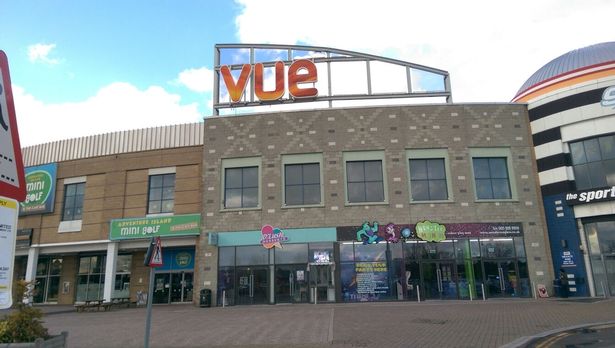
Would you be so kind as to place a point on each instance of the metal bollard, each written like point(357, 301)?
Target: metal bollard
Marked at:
point(482, 286)
point(223, 298)
point(418, 293)
point(470, 291)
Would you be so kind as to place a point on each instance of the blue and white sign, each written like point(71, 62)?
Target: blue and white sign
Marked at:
point(608, 97)
point(568, 259)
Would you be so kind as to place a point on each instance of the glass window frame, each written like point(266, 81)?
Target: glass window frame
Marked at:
point(427, 154)
point(365, 156)
point(302, 159)
point(75, 203)
point(161, 200)
point(476, 153)
point(586, 166)
point(235, 163)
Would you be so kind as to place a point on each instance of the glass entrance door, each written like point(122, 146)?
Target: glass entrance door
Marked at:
point(321, 279)
point(439, 280)
point(291, 284)
point(162, 287)
point(253, 285)
point(181, 287)
point(501, 278)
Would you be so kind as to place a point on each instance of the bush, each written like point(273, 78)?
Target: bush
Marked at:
point(23, 324)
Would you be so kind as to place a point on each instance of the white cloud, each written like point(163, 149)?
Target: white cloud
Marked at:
point(489, 48)
point(40, 52)
point(199, 80)
point(118, 106)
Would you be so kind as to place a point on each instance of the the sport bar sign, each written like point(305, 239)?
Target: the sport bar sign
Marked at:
point(300, 72)
point(167, 226)
point(591, 196)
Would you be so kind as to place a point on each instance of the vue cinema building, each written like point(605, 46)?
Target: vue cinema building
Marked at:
point(571, 103)
point(330, 203)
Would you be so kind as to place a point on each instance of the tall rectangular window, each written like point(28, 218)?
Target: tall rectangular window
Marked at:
point(593, 162)
point(365, 181)
point(241, 187)
point(491, 178)
point(161, 194)
point(302, 184)
point(73, 201)
point(428, 179)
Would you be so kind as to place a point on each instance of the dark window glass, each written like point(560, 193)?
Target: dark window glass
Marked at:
point(364, 180)
point(428, 179)
point(593, 162)
point(302, 183)
point(73, 201)
point(226, 256)
point(161, 193)
point(241, 187)
point(491, 178)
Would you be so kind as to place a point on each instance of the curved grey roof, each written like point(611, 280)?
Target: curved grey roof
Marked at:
point(575, 59)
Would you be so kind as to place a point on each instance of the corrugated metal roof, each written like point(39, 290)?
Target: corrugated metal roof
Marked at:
point(573, 60)
point(133, 140)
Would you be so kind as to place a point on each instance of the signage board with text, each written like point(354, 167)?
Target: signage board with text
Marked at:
point(40, 189)
point(161, 226)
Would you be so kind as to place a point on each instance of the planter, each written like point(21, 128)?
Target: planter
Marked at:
point(54, 342)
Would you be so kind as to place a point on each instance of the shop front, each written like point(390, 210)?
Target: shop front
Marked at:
point(432, 261)
point(173, 282)
point(276, 266)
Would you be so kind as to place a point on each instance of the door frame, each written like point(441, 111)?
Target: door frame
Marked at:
point(455, 277)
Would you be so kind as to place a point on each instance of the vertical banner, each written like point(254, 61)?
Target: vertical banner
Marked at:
point(8, 228)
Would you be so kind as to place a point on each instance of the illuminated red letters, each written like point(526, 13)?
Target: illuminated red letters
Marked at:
point(300, 71)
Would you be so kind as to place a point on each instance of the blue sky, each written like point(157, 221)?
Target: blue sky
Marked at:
point(86, 67)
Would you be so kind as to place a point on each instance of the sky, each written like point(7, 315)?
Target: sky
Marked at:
point(80, 68)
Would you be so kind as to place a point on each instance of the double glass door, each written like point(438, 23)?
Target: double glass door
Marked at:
point(501, 278)
point(291, 284)
point(439, 280)
point(252, 285)
point(173, 287)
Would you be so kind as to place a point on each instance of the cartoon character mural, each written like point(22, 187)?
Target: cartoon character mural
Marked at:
point(391, 233)
point(369, 234)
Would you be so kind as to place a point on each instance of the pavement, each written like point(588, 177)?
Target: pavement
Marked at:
point(493, 323)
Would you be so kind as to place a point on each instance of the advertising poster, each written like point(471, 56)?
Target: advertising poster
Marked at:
point(8, 228)
point(40, 190)
point(365, 281)
point(171, 226)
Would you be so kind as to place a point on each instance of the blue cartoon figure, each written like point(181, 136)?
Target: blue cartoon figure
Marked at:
point(368, 234)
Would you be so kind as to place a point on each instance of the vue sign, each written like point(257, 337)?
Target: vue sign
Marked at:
point(301, 71)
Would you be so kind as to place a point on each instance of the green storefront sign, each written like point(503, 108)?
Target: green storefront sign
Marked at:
point(431, 231)
point(161, 226)
point(40, 189)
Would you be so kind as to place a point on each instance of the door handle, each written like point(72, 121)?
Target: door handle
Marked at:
point(502, 287)
point(251, 285)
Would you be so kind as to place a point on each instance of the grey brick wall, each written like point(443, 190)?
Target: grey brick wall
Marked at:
point(455, 127)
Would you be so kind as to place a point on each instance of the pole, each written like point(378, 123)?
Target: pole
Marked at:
point(470, 291)
point(150, 295)
point(223, 298)
point(534, 292)
point(418, 293)
point(482, 286)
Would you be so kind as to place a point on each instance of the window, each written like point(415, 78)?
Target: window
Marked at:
point(593, 162)
point(491, 178)
point(91, 278)
point(302, 184)
point(122, 276)
point(73, 201)
point(161, 193)
point(428, 179)
point(302, 177)
point(240, 180)
point(365, 181)
point(241, 187)
point(47, 284)
point(493, 175)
